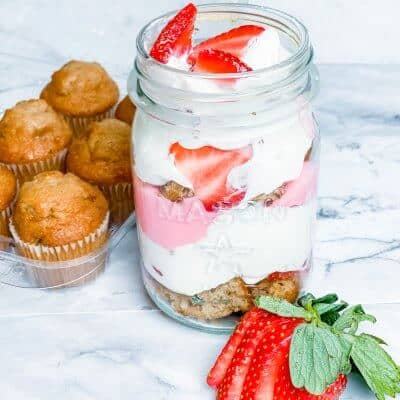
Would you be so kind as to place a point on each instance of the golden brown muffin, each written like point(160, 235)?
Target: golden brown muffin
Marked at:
point(125, 110)
point(8, 190)
point(56, 209)
point(81, 89)
point(102, 157)
point(8, 187)
point(33, 138)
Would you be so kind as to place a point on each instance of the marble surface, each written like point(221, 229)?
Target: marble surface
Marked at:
point(106, 340)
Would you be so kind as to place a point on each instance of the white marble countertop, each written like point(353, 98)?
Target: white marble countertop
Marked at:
point(106, 340)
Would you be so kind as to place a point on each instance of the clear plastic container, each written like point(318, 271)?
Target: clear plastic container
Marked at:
point(19, 271)
point(208, 252)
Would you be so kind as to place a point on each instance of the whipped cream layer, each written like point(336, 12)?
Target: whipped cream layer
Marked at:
point(251, 244)
point(278, 151)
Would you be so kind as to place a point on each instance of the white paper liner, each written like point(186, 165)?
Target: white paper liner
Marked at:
point(120, 197)
point(65, 275)
point(79, 124)
point(25, 172)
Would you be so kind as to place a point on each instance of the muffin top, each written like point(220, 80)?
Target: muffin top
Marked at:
point(81, 89)
point(102, 155)
point(32, 131)
point(56, 209)
point(8, 187)
point(125, 110)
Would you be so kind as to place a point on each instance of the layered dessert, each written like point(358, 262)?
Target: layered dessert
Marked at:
point(223, 215)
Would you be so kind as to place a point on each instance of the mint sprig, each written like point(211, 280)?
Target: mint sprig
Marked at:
point(327, 345)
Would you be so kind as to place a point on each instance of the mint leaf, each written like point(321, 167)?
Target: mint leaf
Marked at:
point(307, 298)
point(282, 307)
point(316, 358)
point(323, 308)
point(351, 318)
point(327, 299)
point(376, 366)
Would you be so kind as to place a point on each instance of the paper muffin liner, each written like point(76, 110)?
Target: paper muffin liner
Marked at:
point(66, 274)
point(26, 172)
point(120, 198)
point(79, 124)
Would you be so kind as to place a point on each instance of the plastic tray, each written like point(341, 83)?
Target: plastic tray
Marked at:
point(19, 271)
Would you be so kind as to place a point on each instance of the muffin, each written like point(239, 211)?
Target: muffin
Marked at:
point(33, 139)
point(8, 190)
point(125, 110)
point(82, 92)
point(60, 217)
point(102, 157)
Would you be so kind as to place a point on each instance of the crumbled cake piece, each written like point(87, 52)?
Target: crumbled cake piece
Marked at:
point(175, 192)
point(268, 199)
point(308, 154)
point(219, 302)
point(287, 289)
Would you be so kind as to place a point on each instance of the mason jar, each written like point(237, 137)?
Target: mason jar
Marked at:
point(225, 173)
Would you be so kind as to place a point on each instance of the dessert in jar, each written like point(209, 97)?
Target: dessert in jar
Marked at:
point(226, 159)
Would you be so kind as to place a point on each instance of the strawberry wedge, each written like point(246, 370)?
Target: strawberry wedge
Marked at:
point(176, 37)
point(232, 385)
point(284, 388)
point(207, 168)
point(235, 41)
point(217, 373)
point(218, 62)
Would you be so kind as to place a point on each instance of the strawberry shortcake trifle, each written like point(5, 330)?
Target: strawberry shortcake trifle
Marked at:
point(226, 158)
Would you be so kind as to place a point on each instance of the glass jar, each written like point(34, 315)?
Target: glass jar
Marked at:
point(225, 173)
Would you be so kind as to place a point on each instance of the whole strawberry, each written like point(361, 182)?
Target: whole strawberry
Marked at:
point(281, 351)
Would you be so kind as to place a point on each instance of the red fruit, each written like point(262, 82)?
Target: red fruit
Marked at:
point(284, 390)
point(176, 37)
point(232, 385)
point(270, 354)
point(207, 168)
point(281, 276)
point(234, 41)
point(217, 373)
point(218, 62)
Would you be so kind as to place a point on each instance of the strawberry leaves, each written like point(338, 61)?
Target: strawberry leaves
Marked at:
point(376, 366)
point(282, 307)
point(316, 358)
point(327, 345)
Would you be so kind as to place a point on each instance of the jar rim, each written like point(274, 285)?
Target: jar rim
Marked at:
point(301, 36)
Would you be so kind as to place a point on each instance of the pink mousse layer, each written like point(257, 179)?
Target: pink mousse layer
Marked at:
point(302, 189)
point(175, 224)
point(170, 224)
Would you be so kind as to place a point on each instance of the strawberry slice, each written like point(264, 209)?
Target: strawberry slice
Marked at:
point(265, 366)
point(234, 41)
point(217, 373)
point(176, 37)
point(232, 384)
point(284, 390)
point(207, 168)
point(218, 62)
point(283, 276)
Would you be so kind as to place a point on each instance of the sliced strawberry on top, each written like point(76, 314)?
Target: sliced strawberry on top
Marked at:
point(218, 62)
point(284, 389)
point(207, 168)
point(175, 39)
point(217, 372)
point(234, 41)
